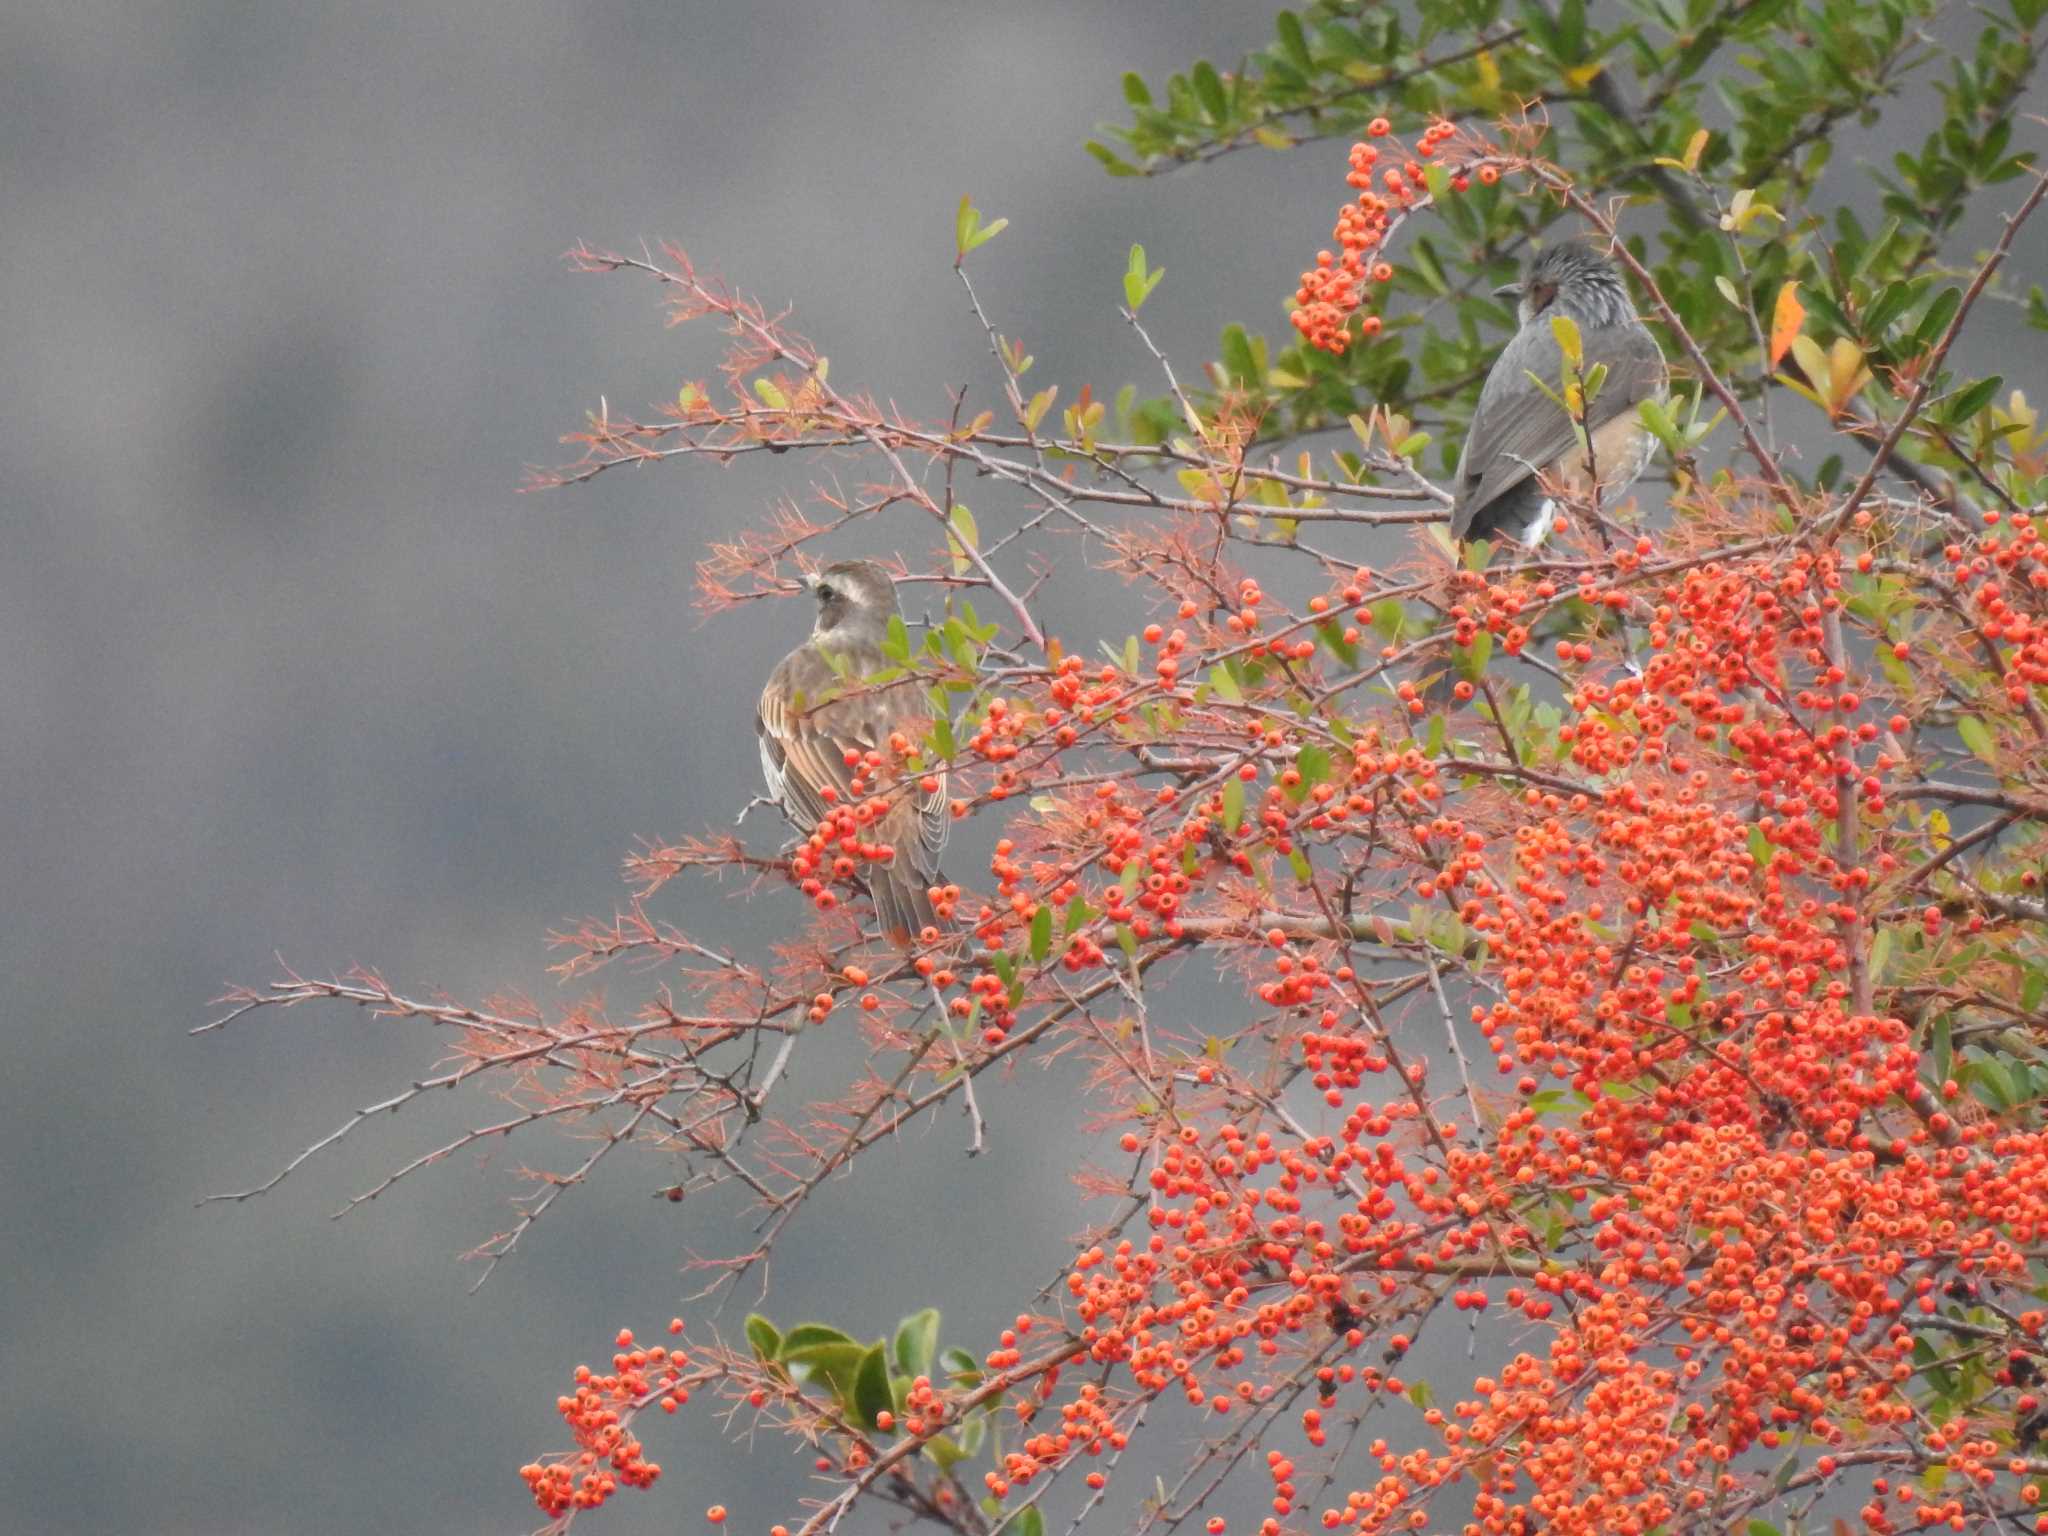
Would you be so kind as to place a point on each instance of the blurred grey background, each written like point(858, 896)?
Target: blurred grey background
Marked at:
point(291, 667)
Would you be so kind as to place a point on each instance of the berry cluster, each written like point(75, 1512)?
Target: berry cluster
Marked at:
point(1334, 289)
point(600, 1414)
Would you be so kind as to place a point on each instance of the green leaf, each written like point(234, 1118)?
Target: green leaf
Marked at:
point(1658, 420)
point(917, 1340)
point(1288, 26)
point(1031, 1522)
point(764, 1336)
point(1977, 737)
point(1041, 933)
point(1991, 1084)
point(1239, 362)
point(969, 233)
point(809, 1335)
point(1209, 90)
point(961, 1368)
point(1138, 281)
point(896, 643)
point(1938, 315)
point(1473, 658)
point(1224, 684)
point(1331, 633)
point(871, 1395)
point(1896, 672)
point(837, 1365)
point(1967, 402)
point(1233, 802)
point(1110, 161)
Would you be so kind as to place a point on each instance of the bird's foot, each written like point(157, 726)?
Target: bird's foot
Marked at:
point(748, 809)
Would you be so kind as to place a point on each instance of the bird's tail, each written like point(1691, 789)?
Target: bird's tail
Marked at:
point(903, 903)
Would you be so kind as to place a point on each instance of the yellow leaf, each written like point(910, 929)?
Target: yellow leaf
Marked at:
point(1846, 374)
point(1489, 72)
point(1812, 361)
point(961, 537)
point(1744, 210)
point(1040, 403)
point(1585, 74)
point(1787, 315)
point(1695, 149)
point(1566, 330)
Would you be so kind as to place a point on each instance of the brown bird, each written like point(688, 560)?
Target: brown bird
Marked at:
point(1520, 433)
point(813, 714)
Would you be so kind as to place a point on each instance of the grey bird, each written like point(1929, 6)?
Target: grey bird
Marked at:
point(812, 714)
point(1520, 434)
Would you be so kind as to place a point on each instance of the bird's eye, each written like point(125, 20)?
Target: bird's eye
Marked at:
point(826, 593)
point(1541, 295)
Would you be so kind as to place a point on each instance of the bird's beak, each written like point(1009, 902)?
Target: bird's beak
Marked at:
point(1508, 291)
point(810, 580)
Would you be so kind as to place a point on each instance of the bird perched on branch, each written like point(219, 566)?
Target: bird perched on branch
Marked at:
point(814, 715)
point(1521, 435)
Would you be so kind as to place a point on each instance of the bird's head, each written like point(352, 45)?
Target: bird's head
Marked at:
point(1572, 280)
point(856, 599)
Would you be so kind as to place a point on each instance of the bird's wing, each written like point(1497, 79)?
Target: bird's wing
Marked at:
point(917, 822)
point(935, 822)
point(799, 758)
point(1518, 430)
point(810, 717)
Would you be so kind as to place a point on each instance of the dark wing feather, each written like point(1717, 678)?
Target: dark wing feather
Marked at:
point(1517, 429)
point(798, 758)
